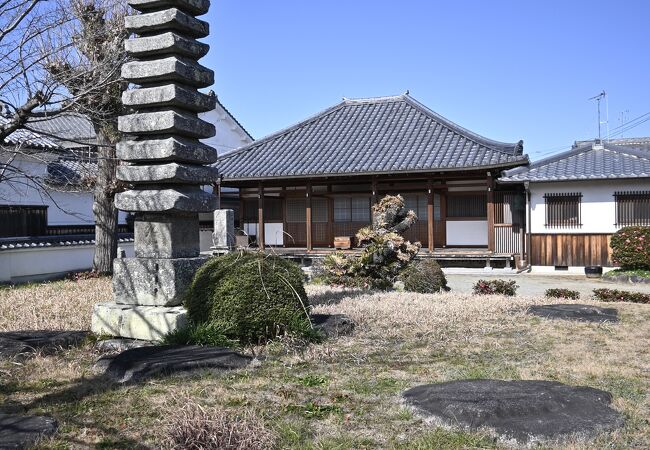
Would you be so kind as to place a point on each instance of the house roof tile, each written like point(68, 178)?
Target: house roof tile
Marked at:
point(367, 136)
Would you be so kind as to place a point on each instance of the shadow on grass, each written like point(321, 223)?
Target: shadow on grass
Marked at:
point(336, 297)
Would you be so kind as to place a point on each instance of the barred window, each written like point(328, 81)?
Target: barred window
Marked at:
point(563, 210)
point(467, 205)
point(319, 213)
point(342, 211)
point(632, 208)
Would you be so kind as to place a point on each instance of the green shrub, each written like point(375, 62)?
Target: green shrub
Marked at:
point(424, 276)
point(249, 297)
point(496, 287)
point(562, 293)
point(614, 295)
point(631, 248)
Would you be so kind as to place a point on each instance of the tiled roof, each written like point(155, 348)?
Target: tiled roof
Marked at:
point(69, 128)
point(367, 136)
point(71, 173)
point(28, 139)
point(621, 158)
point(57, 241)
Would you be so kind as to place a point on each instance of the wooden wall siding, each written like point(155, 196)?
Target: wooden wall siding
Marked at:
point(509, 217)
point(571, 250)
point(632, 208)
point(297, 234)
point(507, 239)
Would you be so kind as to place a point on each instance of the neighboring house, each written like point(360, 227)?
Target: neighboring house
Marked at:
point(579, 198)
point(49, 203)
point(316, 180)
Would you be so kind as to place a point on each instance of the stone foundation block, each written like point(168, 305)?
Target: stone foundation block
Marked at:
point(176, 149)
point(166, 236)
point(153, 281)
point(149, 323)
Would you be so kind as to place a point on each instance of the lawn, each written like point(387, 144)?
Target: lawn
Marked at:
point(343, 393)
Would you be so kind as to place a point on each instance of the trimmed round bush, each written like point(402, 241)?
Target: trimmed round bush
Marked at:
point(424, 276)
point(631, 248)
point(250, 297)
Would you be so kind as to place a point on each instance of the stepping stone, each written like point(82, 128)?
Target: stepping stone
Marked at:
point(20, 343)
point(575, 311)
point(333, 325)
point(18, 431)
point(139, 363)
point(525, 411)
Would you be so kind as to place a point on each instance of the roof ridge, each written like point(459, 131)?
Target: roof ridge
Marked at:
point(628, 151)
point(471, 135)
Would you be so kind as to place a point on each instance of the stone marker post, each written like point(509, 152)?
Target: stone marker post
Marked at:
point(223, 236)
point(164, 162)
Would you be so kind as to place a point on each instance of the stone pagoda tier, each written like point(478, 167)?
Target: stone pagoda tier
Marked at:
point(165, 165)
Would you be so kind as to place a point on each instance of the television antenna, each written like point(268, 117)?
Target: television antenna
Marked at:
point(598, 98)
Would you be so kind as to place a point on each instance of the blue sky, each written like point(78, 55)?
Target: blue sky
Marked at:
point(508, 70)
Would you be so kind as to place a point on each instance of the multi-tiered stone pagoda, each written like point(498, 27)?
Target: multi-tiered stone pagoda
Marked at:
point(164, 162)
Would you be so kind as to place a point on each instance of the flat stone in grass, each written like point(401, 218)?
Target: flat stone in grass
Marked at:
point(144, 362)
point(21, 343)
point(17, 431)
point(575, 311)
point(525, 411)
point(333, 325)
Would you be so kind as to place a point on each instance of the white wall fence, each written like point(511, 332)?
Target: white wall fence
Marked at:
point(35, 264)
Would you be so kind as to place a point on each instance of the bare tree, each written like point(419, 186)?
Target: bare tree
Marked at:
point(66, 55)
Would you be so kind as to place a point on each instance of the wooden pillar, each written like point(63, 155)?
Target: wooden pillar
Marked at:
point(490, 211)
point(430, 224)
point(260, 217)
point(216, 191)
point(308, 217)
point(330, 216)
point(374, 192)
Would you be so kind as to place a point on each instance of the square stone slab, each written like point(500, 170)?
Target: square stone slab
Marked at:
point(171, 95)
point(194, 7)
point(168, 173)
point(149, 323)
point(167, 20)
point(169, 43)
point(180, 200)
point(177, 149)
point(166, 122)
point(168, 70)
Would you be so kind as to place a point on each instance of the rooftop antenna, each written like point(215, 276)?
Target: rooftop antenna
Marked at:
point(598, 98)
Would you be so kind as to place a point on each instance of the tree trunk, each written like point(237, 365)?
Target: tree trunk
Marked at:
point(104, 208)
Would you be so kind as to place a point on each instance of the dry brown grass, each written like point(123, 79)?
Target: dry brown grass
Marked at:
point(344, 393)
point(60, 305)
point(196, 427)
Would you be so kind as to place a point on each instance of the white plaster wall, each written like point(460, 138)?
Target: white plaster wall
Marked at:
point(467, 232)
point(273, 232)
point(229, 135)
point(33, 264)
point(598, 205)
point(64, 207)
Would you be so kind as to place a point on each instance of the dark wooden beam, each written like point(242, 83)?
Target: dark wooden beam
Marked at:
point(260, 217)
point(490, 211)
point(308, 195)
point(430, 224)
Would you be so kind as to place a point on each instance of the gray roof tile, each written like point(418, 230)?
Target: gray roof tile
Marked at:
point(620, 158)
point(365, 136)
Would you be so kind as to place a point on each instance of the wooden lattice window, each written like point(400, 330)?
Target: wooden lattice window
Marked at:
point(563, 210)
point(632, 208)
point(467, 205)
point(352, 209)
point(296, 210)
point(319, 210)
